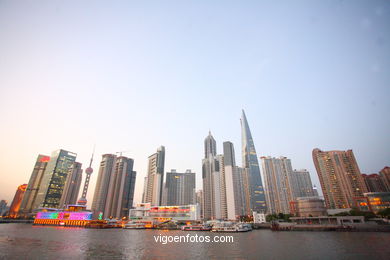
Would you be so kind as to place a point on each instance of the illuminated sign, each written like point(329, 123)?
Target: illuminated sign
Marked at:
point(44, 159)
point(62, 215)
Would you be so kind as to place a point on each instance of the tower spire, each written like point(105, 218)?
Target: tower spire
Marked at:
point(88, 172)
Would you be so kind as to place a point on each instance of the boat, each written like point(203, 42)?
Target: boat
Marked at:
point(231, 227)
point(196, 228)
point(134, 225)
point(243, 227)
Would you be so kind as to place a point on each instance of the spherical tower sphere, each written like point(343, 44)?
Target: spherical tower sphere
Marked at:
point(89, 170)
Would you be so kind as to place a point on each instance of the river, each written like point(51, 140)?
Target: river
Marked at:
point(24, 241)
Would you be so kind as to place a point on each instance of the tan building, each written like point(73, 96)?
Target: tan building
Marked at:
point(15, 205)
point(385, 176)
point(154, 180)
point(308, 207)
point(33, 185)
point(278, 192)
point(340, 177)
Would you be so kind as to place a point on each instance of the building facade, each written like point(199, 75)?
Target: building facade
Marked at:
point(101, 189)
point(33, 185)
point(54, 178)
point(155, 177)
point(180, 188)
point(114, 192)
point(17, 201)
point(374, 183)
point(301, 184)
point(72, 185)
point(276, 172)
point(211, 180)
point(250, 161)
point(199, 202)
point(385, 176)
point(340, 177)
point(3, 207)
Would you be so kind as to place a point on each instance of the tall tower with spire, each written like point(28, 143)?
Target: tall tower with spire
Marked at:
point(88, 172)
point(250, 162)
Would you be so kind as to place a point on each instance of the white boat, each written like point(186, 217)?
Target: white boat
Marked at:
point(134, 225)
point(196, 228)
point(243, 227)
point(231, 227)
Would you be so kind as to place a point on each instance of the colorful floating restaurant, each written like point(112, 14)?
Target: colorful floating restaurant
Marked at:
point(74, 216)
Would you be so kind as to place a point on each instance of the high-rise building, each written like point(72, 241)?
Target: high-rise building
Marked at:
point(101, 189)
point(72, 185)
point(199, 202)
point(340, 177)
point(53, 179)
point(211, 180)
point(301, 184)
point(374, 183)
point(220, 203)
point(155, 178)
point(279, 194)
point(210, 146)
point(120, 194)
point(315, 191)
point(3, 207)
point(114, 192)
point(385, 176)
point(17, 201)
point(249, 161)
point(180, 188)
point(33, 185)
point(233, 186)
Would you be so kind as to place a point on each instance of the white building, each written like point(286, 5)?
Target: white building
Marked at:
point(258, 217)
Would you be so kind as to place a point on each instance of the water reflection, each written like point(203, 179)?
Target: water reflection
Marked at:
point(26, 241)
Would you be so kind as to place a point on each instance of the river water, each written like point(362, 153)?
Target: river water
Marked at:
point(24, 241)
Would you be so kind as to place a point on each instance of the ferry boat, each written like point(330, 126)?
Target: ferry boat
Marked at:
point(134, 225)
point(231, 227)
point(196, 228)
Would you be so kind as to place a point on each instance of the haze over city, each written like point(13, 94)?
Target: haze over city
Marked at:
point(129, 77)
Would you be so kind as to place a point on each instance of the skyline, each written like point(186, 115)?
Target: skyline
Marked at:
point(133, 76)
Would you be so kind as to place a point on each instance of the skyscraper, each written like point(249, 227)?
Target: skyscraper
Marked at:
point(72, 185)
point(3, 207)
point(211, 180)
point(199, 201)
point(155, 178)
point(15, 205)
point(232, 182)
point(276, 173)
point(101, 189)
point(33, 185)
point(249, 161)
point(180, 188)
point(340, 177)
point(210, 146)
point(120, 194)
point(301, 184)
point(54, 178)
point(114, 192)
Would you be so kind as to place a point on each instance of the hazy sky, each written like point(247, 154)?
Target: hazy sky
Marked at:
point(134, 75)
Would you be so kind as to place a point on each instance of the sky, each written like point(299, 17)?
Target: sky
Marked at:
point(133, 75)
